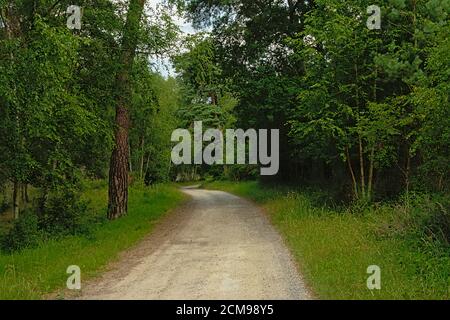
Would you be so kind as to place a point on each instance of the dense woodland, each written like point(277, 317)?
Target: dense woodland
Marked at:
point(363, 110)
point(363, 114)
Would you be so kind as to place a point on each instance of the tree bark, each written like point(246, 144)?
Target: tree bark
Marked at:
point(11, 21)
point(16, 186)
point(118, 170)
point(141, 161)
point(22, 192)
point(130, 164)
point(370, 181)
point(146, 167)
point(352, 173)
point(27, 198)
point(362, 168)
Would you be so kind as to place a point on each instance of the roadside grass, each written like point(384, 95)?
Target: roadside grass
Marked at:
point(334, 247)
point(33, 273)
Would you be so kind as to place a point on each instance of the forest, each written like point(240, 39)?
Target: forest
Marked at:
point(87, 114)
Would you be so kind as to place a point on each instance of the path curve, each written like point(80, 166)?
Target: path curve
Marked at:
point(217, 246)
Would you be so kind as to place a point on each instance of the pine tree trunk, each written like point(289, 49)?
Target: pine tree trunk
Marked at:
point(118, 170)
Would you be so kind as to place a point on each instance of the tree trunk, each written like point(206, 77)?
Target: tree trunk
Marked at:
point(146, 167)
point(370, 181)
point(11, 22)
point(130, 164)
point(16, 187)
point(118, 171)
point(352, 173)
point(22, 192)
point(361, 167)
point(27, 198)
point(141, 162)
point(407, 171)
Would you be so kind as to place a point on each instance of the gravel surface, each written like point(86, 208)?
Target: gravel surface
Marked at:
point(217, 246)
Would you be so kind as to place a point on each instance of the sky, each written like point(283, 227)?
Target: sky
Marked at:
point(164, 66)
point(186, 27)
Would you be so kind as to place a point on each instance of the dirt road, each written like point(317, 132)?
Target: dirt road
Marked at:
point(218, 246)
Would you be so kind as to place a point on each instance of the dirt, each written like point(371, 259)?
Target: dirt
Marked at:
point(217, 246)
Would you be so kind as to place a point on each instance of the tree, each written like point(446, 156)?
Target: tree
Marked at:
point(118, 171)
point(45, 119)
point(153, 118)
point(256, 60)
point(349, 101)
point(205, 94)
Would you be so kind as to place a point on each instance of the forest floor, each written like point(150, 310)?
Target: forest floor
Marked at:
point(217, 246)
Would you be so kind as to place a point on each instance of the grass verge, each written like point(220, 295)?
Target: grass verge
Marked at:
point(33, 273)
point(334, 248)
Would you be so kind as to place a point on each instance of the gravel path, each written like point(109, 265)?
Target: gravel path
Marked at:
point(217, 246)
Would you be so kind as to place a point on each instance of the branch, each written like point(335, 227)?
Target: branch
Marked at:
point(2, 17)
point(53, 7)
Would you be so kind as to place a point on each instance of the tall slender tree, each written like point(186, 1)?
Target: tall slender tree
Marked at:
point(118, 172)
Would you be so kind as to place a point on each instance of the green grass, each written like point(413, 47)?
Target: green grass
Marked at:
point(33, 273)
point(334, 248)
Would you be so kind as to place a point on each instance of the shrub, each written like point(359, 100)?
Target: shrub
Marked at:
point(431, 215)
point(24, 233)
point(424, 218)
point(4, 205)
point(63, 213)
point(241, 172)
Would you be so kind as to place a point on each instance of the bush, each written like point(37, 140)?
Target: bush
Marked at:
point(4, 205)
point(423, 218)
point(241, 172)
point(3, 199)
point(24, 233)
point(431, 216)
point(63, 213)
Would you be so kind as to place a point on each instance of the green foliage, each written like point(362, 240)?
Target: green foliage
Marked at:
point(57, 87)
point(153, 115)
point(25, 233)
point(63, 213)
point(428, 217)
point(204, 96)
point(366, 106)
